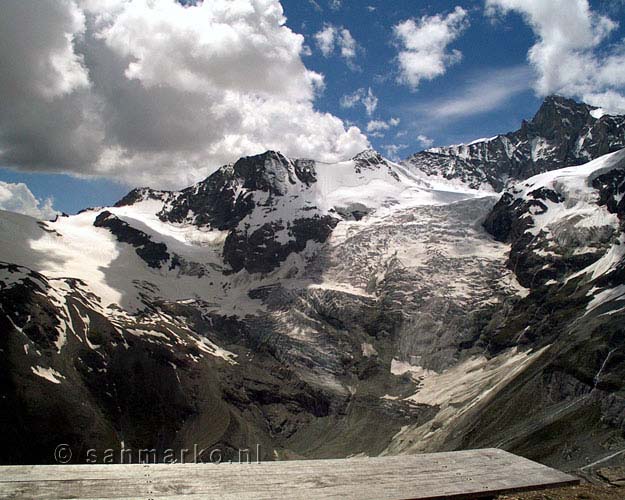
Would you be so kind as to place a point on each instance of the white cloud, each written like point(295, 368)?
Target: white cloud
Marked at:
point(361, 96)
point(331, 38)
point(370, 102)
point(335, 4)
point(16, 197)
point(425, 141)
point(424, 54)
point(326, 38)
point(151, 91)
point(315, 5)
point(571, 56)
point(610, 100)
point(375, 127)
point(347, 44)
point(482, 93)
point(392, 150)
point(350, 100)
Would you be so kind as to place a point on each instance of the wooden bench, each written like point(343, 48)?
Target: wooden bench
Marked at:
point(452, 475)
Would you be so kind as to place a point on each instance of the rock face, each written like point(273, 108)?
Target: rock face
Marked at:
point(565, 229)
point(240, 198)
point(562, 133)
point(261, 251)
point(329, 310)
point(226, 197)
point(154, 254)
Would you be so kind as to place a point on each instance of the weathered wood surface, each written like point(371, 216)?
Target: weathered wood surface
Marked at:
point(453, 475)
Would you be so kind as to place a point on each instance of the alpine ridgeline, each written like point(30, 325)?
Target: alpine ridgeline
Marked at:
point(326, 310)
point(562, 133)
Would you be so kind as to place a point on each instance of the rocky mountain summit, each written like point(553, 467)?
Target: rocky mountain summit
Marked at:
point(325, 310)
point(562, 133)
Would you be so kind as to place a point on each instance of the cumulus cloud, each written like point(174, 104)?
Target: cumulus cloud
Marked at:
point(571, 55)
point(379, 125)
point(37, 46)
point(424, 42)
point(18, 198)
point(326, 39)
point(332, 38)
point(155, 92)
point(361, 96)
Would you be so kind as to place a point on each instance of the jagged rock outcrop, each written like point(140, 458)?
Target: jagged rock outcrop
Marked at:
point(154, 254)
point(562, 133)
point(226, 197)
point(261, 251)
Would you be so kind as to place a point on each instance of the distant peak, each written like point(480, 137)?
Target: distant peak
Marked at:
point(267, 155)
point(559, 116)
point(556, 98)
point(557, 105)
point(269, 171)
point(368, 155)
point(141, 194)
point(269, 160)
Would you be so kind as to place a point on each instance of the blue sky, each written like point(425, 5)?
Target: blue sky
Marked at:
point(486, 90)
point(489, 48)
point(483, 53)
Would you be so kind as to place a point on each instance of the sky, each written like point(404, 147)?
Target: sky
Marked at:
point(98, 97)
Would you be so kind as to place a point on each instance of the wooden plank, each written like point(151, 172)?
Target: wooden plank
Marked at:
point(451, 475)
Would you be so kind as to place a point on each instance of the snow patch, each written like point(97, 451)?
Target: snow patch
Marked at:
point(400, 368)
point(49, 374)
point(598, 113)
point(605, 296)
point(368, 350)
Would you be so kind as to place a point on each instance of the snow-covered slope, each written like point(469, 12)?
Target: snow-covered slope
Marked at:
point(571, 215)
point(157, 237)
point(294, 304)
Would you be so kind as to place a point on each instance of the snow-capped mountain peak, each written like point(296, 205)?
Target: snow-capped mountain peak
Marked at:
point(562, 133)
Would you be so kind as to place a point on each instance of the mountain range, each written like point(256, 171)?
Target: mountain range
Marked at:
point(468, 296)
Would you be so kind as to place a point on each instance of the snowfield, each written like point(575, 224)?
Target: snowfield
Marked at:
point(72, 247)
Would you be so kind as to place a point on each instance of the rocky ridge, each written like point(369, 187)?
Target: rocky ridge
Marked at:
point(562, 133)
